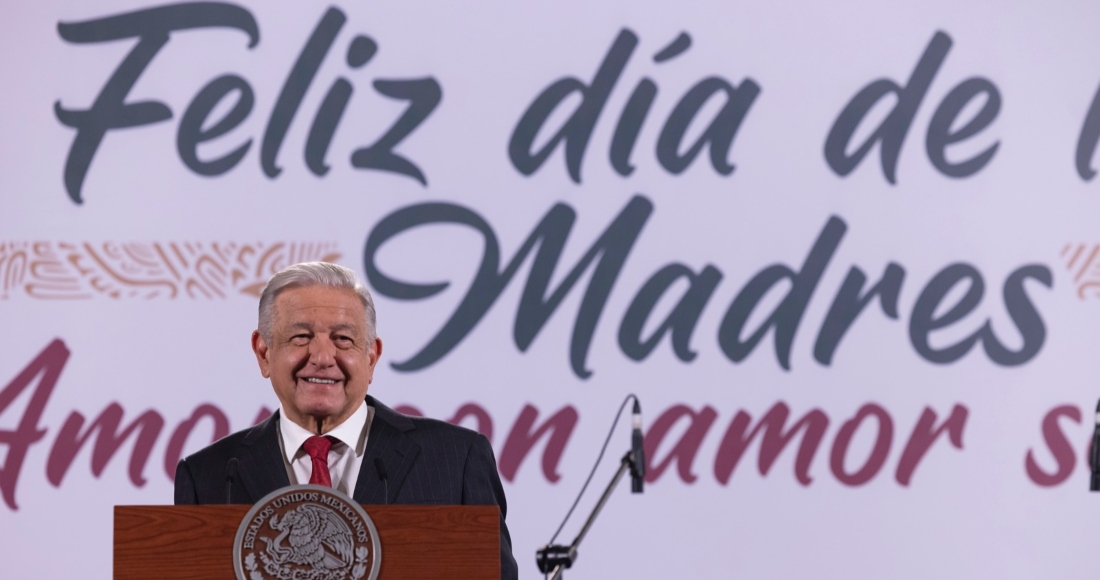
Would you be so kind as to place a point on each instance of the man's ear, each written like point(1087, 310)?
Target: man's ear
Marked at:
point(374, 352)
point(259, 346)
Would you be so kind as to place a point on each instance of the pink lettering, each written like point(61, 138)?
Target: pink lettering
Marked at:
point(924, 436)
point(775, 440)
point(878, 453)
point(48, 364)
point(520, 441)
point(1059, 446)
point(686, 448)
point(677, 434)
point(183, 431)
point(70, 440)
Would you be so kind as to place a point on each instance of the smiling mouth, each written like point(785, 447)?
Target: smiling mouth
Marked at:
point(318, 381)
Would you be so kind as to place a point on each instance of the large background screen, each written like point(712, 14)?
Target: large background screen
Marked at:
point(846, 254)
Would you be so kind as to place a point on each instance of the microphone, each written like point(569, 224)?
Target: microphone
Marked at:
point(230, 475)
point(1094, 485)
point(380, 467)
point(637, 465)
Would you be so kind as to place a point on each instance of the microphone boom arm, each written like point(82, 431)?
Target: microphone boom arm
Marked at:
point(553, 559)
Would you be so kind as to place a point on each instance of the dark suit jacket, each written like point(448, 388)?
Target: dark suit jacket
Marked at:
point(429, 462)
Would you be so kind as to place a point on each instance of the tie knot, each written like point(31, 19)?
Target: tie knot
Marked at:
point(317, 447)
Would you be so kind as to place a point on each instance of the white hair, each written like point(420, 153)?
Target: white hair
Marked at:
point(308, 274)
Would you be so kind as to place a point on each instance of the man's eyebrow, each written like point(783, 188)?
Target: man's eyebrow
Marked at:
point(303, 325)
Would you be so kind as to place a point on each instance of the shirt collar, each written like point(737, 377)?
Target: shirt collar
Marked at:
point(350, 432)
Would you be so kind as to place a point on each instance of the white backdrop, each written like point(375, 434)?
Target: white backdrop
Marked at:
point(143, 270)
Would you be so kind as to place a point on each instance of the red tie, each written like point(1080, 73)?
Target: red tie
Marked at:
point(317, 447)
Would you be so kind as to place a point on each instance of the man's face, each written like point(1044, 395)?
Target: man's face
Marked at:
point(318, 359)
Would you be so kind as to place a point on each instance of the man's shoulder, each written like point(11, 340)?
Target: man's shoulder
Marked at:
point(229, 445)
point(435, 425)
point(418, 427)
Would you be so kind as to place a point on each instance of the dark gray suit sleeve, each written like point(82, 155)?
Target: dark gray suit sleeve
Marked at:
point(481, 486)
point(185, 485)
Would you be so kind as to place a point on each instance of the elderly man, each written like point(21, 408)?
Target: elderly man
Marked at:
point(316, 342)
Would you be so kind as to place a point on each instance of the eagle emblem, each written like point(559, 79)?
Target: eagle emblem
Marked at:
point(317, 537)
point(306, 532)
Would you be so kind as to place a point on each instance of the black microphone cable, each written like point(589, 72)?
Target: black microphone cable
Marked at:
point(380, 467)
point(230, 475)
point(598, 459)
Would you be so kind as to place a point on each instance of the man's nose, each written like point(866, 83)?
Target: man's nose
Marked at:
point(322, 352)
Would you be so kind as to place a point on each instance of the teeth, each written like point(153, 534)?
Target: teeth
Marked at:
point(321, 381)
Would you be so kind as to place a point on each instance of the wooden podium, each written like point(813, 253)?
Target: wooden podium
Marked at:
point(196, 542)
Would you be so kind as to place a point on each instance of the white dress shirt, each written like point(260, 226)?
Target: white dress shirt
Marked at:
point(345, 457)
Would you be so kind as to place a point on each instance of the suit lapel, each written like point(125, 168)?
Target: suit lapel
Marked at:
point(389, 441)
point(262, 470)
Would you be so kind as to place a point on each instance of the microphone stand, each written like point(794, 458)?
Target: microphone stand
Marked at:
point(553, 559)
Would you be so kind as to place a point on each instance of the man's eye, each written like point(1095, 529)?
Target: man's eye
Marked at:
point(299, 339)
